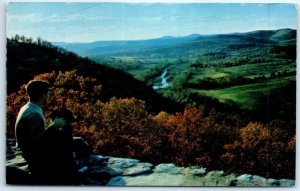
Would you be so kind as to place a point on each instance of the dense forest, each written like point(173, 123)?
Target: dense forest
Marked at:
point(124, 117)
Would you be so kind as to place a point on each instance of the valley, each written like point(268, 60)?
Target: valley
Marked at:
point(240, 68)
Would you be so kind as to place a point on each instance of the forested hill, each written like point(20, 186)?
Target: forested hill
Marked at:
point(27, 58)
point(186, 46)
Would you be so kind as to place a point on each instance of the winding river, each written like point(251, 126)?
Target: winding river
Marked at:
point(164, 82)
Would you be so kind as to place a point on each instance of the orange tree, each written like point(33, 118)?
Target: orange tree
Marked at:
point(128, 130)
point(268, 150)
point(14, 103)
point(194, 138)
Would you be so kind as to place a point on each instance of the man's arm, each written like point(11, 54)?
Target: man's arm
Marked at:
point(38, 126)
point(58, 122)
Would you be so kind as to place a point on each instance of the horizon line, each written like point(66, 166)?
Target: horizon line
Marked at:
point(154, 38)
point(171, 36)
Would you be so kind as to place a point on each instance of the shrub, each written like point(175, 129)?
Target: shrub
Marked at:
point(262, 149)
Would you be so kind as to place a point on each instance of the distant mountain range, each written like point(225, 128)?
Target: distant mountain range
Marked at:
point(169, 46)
point(111, 47)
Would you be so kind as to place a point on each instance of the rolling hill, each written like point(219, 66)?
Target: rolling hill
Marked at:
point(242, 69)
point(170, 46)
point(27, 59)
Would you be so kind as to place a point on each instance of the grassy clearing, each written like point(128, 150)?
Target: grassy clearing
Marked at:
point(218, 75)
point(260, 68)
point(246, 96)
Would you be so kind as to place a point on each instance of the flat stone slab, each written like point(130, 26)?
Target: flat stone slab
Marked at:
point(121, 163)
point(154, 179)
point(168, 168)
point(194, 170)
point(140, 168)
point(107, 170)
point(287, 182)
point(251, 180)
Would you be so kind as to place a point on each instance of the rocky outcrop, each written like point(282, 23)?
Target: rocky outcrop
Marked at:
point(112, 171)
point(171, 175)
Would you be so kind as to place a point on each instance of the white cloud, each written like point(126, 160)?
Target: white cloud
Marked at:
point(37, 18)
point(25, 18)
point(176, 18)
point(78, 17)
point(151, 19)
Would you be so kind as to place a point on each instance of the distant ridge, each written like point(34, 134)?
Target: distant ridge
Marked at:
point(166, 46)
point(182, 44)
point(190, 36)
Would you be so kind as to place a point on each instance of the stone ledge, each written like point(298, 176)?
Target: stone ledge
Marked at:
point(132, 172)
point(112, 171)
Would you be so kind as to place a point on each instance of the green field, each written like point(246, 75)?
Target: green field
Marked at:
point(247, 96)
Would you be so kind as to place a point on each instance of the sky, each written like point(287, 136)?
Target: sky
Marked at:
point(88, 22)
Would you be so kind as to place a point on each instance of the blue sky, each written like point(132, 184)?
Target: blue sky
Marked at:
point(87, 22)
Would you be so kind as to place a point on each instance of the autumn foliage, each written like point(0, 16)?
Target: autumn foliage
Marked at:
point(269, 148)
point(124, 128)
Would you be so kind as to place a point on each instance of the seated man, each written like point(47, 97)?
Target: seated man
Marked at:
point(31, 131)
